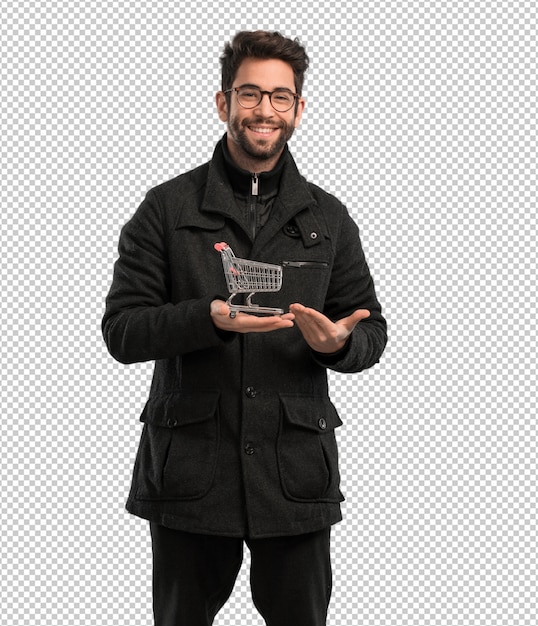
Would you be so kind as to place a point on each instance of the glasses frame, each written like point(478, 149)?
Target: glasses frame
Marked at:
point(262, 94)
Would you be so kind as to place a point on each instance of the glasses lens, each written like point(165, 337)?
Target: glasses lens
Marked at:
point(282, 100)
point(250, 97)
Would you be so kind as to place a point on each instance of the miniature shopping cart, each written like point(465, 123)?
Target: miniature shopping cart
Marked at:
point(246, 276)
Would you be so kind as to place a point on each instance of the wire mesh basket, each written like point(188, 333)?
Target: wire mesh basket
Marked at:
point(250, 277)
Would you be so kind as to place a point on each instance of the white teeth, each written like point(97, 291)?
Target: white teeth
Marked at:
point(262, 130)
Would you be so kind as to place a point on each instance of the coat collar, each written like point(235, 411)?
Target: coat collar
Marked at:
point(218, 202)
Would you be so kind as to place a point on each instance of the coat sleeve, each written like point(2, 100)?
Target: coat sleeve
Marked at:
point(351, 287)
point(140, 323)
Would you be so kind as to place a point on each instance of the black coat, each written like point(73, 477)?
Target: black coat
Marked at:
point(239, 431)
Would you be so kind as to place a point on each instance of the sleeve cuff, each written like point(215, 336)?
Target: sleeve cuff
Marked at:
point(332, 358)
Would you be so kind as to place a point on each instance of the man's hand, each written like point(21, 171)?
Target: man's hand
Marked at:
point(246, 323)
point(320, 333)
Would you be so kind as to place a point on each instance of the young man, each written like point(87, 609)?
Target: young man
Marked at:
point(238, 444)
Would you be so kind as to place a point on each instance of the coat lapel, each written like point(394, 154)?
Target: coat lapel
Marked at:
point(210, 206)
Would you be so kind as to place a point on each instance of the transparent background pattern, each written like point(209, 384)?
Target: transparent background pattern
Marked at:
point(421, 117)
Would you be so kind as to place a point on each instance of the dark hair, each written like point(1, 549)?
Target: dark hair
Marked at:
point(262, 44)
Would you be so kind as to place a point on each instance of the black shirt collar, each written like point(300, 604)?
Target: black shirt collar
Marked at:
point(241, 180)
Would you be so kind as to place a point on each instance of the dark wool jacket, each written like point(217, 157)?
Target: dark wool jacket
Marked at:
point(239, 431)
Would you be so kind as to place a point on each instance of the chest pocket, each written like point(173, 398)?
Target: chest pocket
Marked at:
point(307, 449)
point(305, 281)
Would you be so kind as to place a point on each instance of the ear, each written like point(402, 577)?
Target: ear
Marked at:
point(222, 106)
point(299, 114)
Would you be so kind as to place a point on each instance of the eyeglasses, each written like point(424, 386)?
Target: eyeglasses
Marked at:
point(249, 97)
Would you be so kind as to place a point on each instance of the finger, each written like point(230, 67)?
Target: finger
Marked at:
point(219, 307)
point(245, 323)
point(317, 330)
point(308, 315)
point(254, 325)
point(287, 316)
point(361, 314)
point(352, 320)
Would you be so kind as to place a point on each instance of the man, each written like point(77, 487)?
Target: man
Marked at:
point(238, 444)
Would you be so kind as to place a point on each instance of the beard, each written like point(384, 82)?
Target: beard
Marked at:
point(259, 149)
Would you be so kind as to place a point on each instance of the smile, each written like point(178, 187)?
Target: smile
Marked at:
point(264, 130)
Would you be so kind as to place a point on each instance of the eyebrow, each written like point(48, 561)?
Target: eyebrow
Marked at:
point(258, 87)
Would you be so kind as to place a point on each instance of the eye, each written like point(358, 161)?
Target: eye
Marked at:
point(249, 94)
point(282, 96)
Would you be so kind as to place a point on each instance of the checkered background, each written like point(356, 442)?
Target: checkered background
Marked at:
point(421, 117)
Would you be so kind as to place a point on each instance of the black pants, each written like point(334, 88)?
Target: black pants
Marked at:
point(194, 575)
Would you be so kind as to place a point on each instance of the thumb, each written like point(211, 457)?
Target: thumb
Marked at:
point(360, 314)
point(352, 320)
point(219, 307)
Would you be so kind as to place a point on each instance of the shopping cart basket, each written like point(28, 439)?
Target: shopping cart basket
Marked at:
point(246, 276)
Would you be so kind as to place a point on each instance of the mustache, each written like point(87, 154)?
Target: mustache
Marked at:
point(261, 120)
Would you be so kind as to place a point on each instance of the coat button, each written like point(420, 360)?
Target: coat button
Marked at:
point(249, 449)
point(322, 423)
point(291, 230)
point(251, 392)
point(171, 423)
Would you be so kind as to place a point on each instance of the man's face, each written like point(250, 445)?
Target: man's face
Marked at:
point(257, 136)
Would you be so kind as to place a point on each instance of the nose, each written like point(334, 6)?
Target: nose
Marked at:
point(265, 107)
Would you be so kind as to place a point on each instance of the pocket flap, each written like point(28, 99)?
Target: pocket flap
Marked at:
point(180, 408)
point(311, 412)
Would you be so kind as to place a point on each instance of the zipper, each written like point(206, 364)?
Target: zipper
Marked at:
point(255, 184)
point(254, 192)
point(312, 264)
